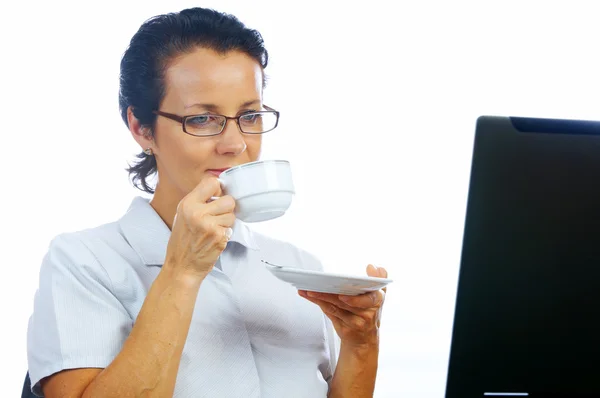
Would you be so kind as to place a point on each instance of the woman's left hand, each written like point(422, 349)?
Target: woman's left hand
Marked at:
point(356, 318)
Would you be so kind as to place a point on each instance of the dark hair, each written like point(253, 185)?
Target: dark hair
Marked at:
point(155, 44)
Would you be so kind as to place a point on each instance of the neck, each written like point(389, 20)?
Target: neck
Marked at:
point(165, 202)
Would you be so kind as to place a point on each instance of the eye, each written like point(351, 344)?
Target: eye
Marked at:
point(250, 118)
point(203, 122)
point(199, 121)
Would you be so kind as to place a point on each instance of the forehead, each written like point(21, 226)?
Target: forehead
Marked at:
point(207, 76)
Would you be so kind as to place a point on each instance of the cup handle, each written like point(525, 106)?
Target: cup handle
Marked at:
point(222, 186)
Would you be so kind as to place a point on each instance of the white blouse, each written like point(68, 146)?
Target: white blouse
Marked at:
point(251, 335)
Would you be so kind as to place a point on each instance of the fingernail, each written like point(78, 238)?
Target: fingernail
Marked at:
point(312, 294)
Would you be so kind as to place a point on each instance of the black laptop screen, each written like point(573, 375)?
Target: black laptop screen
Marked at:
point(527, 320)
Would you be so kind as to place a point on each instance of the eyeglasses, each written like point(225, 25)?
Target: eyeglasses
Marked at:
point(208, 124)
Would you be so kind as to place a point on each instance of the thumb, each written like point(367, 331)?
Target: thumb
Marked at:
point(382, 272)
point(372, 270)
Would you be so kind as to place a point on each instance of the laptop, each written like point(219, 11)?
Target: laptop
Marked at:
point(527, 315)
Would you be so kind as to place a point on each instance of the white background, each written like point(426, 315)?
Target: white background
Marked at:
point(378, 101)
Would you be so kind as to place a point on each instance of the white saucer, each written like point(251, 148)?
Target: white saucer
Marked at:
point(322, 282)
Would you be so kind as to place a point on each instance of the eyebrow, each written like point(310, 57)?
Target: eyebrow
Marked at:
point(214, 107)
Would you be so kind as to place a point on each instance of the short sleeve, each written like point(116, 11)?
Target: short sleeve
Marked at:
point(333, 341)
point(333, 345)
point(77, 321)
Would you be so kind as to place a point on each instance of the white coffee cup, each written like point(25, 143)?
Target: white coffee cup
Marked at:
point(262, 190)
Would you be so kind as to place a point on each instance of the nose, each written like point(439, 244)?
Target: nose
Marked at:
point(231, 140)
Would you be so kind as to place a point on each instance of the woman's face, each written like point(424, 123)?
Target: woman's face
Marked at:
point(200, 82)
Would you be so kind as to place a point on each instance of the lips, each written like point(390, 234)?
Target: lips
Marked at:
point(217, 172)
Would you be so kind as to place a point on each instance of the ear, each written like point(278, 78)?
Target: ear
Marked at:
point(140, 134)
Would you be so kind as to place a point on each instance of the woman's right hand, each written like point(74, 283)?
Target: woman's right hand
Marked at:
point(200, 230)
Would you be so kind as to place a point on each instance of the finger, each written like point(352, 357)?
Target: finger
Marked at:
point(377, 272)
point(225, 204)
point(372, 270)
point(220, 238)
point(383, 274)
point(224, 220)
point(354, 304)
point(330, 298)
point(350, 319)
point(207, 188)
point(367, 300)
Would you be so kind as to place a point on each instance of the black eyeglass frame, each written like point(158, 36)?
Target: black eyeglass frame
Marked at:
point(182, 120)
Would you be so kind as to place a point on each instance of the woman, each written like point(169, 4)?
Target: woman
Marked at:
point(172, 299)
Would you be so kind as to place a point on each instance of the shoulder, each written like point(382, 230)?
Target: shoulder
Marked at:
point(81, 251)
point(286, 253)
point(82, 243)
point(73, 282)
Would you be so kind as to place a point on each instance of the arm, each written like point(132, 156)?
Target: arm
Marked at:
point(150, 357)
point(356, 372)
point(356, 320)
point(108, 359)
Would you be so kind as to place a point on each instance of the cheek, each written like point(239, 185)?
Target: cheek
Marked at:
point(253, 146)
point(182, 153)
point(193, 153)
point(186, 161)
